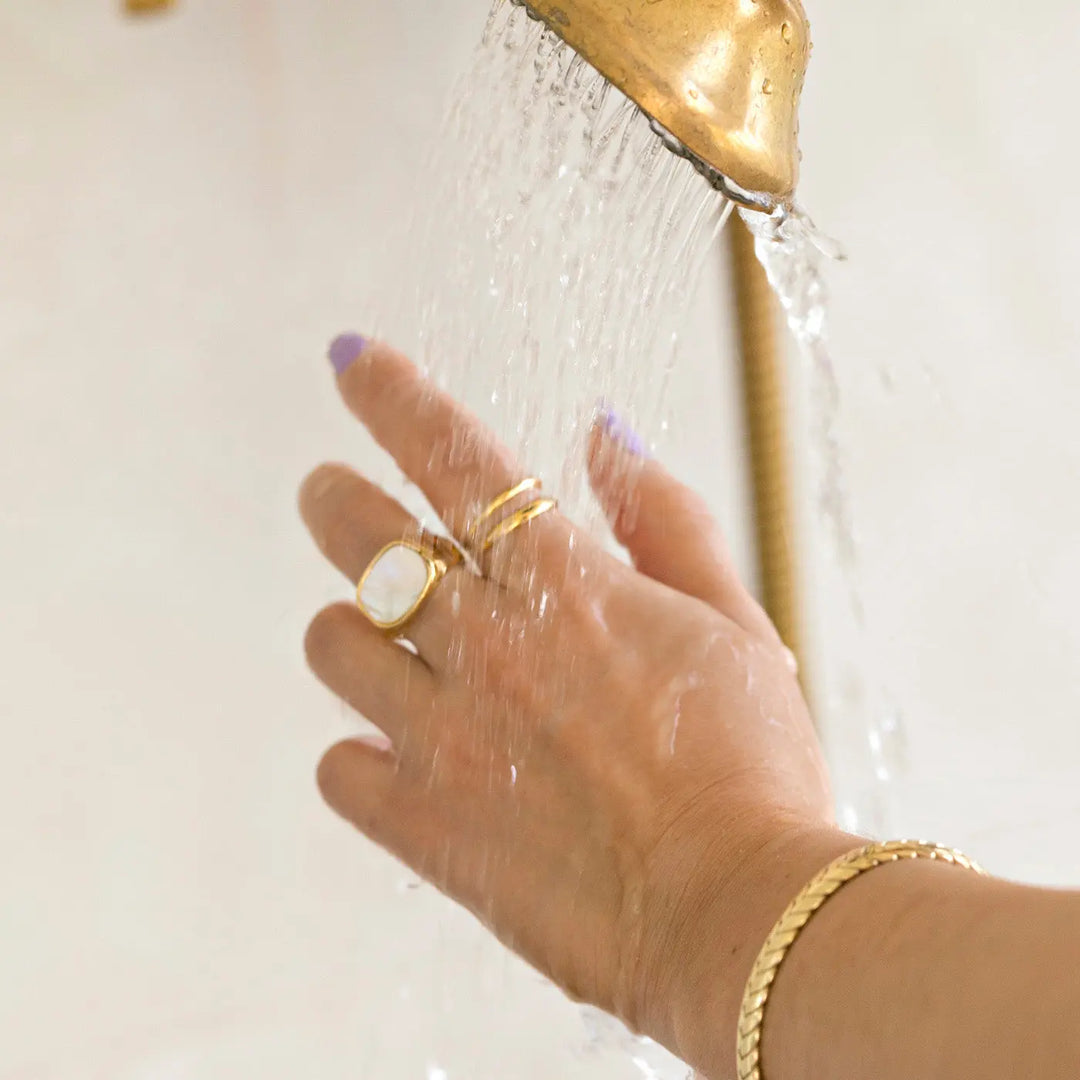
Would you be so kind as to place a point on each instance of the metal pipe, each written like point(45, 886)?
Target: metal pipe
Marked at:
point(765, 398)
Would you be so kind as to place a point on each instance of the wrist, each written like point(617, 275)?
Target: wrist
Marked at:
point(718, 953)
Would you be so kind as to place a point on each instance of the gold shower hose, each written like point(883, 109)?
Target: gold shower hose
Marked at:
point(767, 429)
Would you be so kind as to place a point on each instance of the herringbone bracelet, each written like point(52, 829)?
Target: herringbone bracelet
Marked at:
point(799, 912)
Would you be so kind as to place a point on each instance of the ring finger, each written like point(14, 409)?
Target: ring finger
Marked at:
point(352, 520)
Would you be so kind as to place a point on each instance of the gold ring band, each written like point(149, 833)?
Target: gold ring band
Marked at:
point(400, 579)
point(531, 483)
point(513, 522)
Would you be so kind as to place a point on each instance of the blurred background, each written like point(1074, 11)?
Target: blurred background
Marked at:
point(190, 207)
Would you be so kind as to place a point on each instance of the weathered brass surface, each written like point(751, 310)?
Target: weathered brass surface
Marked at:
point(758, 323)
point(723, 76)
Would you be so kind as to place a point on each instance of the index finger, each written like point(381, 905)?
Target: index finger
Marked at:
point(456, 462)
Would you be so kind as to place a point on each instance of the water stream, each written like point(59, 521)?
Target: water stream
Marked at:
point(863, 726)
point(558, 246)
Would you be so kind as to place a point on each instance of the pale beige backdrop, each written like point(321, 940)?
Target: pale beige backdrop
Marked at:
point(188, 209)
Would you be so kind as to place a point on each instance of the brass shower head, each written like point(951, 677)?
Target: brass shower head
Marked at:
point(721, 78)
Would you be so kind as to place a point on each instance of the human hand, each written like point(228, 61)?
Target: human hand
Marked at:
point(612, 766)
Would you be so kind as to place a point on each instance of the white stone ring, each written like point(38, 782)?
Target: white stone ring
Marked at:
point(400, 579)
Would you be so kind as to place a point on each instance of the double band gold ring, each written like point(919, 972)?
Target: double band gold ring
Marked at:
point(488, 528)
point(513, 522)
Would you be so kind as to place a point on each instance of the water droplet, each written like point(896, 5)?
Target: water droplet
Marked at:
point(675, 733)
point(766, 86)
point(791, 660)
point(785, 32)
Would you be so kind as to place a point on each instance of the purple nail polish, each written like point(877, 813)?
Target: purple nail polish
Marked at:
point(616, 428)
point(345, 350)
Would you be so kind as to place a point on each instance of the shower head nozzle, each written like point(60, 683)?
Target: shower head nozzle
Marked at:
point(721, 77)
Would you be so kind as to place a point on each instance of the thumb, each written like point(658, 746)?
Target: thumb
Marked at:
point(666, 527)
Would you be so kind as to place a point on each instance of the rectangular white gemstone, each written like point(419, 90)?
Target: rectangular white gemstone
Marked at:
point(394, 584)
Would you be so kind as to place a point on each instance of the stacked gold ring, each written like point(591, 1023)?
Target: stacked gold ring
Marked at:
point(400, 579)
point(480, 542)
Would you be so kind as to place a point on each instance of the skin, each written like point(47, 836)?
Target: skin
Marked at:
point(612, 765)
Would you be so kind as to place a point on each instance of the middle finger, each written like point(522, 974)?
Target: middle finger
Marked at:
point(454, 459)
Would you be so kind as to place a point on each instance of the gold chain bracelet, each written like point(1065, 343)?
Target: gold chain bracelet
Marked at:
point(799, 912)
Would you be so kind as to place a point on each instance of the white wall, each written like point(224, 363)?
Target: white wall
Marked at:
point(938, 144)
point(188, 209)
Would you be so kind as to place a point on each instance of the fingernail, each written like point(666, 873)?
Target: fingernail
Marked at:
point(345, 350)
point(618, 429)
point(376, 741)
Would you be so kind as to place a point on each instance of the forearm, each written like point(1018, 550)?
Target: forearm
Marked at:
point(923, 970)
point(917, 970)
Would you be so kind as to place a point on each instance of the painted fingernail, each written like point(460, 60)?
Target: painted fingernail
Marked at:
point(345, 350)
point(618, 429)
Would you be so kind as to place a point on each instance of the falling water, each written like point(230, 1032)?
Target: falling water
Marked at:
point(864, 728)
point(558, 245)
point(559, 248)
